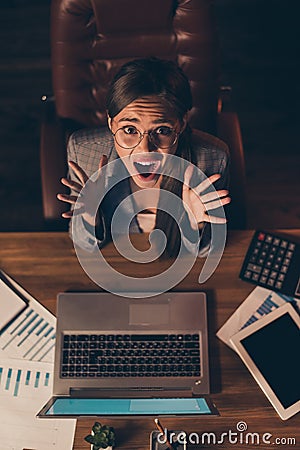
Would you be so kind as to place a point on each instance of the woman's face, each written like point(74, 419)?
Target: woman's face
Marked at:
point(144, 160)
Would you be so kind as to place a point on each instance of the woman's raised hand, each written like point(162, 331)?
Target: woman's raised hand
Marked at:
point(197, 204)
point(89, 198)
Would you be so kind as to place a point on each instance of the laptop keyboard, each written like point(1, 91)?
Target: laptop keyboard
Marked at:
point(135, 355)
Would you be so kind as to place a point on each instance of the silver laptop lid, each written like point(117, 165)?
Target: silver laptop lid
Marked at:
point(181, 314)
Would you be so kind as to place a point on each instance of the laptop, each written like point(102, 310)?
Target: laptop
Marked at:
point(118, 355)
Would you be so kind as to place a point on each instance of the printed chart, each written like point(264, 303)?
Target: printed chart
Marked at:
point(31, 335)
point(24, 389)
point(26, 372)
point(259, 302)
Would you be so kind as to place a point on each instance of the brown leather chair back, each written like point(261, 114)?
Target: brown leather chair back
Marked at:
point(91, 39)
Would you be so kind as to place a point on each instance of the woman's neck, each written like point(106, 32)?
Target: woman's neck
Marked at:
point(149, 201)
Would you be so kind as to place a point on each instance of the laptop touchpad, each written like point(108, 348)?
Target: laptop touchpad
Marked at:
point(148, 313)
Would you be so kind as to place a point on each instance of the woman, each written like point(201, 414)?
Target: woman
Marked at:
point(147, 107)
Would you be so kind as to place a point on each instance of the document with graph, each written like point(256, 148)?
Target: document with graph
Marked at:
point(31, 335)
point(260, 302)
point(24, 388)
point(27, 340)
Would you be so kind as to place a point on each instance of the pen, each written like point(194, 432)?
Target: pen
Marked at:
point(160, 428)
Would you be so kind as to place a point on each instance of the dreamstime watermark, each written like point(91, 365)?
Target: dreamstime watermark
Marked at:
point(108, 185)
point(238, 436)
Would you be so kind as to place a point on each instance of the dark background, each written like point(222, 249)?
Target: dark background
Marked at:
point(260, 60)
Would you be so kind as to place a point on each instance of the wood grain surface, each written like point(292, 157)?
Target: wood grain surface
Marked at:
point(45, 264)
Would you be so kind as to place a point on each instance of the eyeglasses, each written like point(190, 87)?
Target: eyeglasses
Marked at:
point(161, 137)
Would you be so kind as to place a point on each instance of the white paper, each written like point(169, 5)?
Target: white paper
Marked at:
point(25, 386)
point(260, 302)
point(31, 335)
point(10, 304)
point(26, 379)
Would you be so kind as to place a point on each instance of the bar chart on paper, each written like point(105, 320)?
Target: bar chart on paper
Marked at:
point(260, 301)
point(31, 335)
point(16, 381)
point(24, 388)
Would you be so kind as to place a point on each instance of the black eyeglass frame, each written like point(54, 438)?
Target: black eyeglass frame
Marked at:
point(141, 136)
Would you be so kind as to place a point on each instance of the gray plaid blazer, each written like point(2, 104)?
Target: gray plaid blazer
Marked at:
point(85, 147)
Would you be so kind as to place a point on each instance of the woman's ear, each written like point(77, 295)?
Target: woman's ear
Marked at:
point(109, 120)
point(184, 122)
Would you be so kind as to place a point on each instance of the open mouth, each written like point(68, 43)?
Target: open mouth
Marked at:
point(147, 168)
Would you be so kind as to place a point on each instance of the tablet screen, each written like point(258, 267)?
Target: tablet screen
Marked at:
point(275, 351)
point(120, 406)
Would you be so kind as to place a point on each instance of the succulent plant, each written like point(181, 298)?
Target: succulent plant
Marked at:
point(102, 436)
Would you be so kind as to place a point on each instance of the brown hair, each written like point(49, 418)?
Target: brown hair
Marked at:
point(165, 80)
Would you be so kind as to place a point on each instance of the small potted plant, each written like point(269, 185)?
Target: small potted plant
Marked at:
point(101, 437)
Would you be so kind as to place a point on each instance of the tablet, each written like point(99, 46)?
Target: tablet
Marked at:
point(270, 349)
point(77, 407)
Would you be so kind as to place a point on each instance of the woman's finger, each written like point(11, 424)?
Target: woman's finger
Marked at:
point(67, 198)
point(213, 195)
point(207, 183)
point(79, 172)
point(103, 161)
point(71, 184)
point(73, 212)
point(187, 178)
point(215, 219)
point(217, 203)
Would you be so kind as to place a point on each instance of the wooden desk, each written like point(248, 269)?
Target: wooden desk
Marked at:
point(45, 264)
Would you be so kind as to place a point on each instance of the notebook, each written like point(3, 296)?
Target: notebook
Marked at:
point(118, 355)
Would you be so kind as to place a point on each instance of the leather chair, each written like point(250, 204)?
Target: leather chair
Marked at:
point(91, 39)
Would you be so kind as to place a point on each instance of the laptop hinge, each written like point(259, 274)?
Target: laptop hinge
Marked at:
point(121, 392)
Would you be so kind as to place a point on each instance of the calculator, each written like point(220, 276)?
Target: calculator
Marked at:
point(273, 262)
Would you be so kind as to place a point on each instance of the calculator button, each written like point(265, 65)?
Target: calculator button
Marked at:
point(273, 249)
point(269, 239)
point(281, 277)
point(271, 256)
point(276, 241)
point(279, 259)
point(284, 244)
point(273, 274)
point(284, 269)
point(248, 274)
point(276, 266)
point(253, 259)
point(266, 271)
point(261, 261)
point(291, 246)
point(263, 254)
point(263, 279)
point(286, 261)
point(255, 277)
point(254, 268)
point(270, 282)
point(268, 264)
point(261, 236)
point(289, 254)
point(266, 247)
point(278, 285)
point(281, 252)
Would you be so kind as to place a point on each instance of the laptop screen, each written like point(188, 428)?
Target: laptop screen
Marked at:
point(63, 406)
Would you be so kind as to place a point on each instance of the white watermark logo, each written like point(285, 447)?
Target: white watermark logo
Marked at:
point(238, 436)
point(105, 187)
